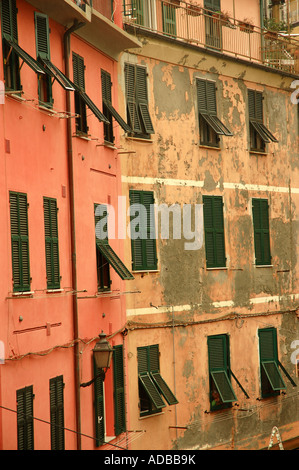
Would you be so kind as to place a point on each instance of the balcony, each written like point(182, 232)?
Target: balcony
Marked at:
point(188, 23)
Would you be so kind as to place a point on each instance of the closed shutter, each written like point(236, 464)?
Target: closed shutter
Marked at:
point(260, 211)
point(9, 20)
point(25, 425)
point(219, 367)
point(99, 411)
point(119, 391)
point(144, 255)
point(57, 413)
point(214, 231)
point(19, 242)
point(42, 36)
point(51, 243)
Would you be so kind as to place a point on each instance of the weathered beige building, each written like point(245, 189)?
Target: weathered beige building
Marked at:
point(209, 100)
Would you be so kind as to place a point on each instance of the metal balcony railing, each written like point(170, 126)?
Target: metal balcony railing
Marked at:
point(195, 25)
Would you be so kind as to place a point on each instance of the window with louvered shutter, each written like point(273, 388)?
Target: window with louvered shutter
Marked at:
point(80, 105)
point(153, 389)
point(99, 410)
point(19, 241)
point(10, 33)
point(259, 134)
point(270, 376)
point(221, 390)
point(210, 125)
point(51, 243)
point(139, 118)
point(212, 5)
point(214, 231)
point(119, 391)
point(144, 254)
point(57, 413)
point(25, 420)
point(260, 212)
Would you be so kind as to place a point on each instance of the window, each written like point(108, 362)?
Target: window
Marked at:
point(57, 413)
point(214, 231)
point(144, 256)
point(19, 241)
point(25, 418)
point(271, 379)
point(12, 52)
point(212, 24)
point(152, 387)
point(169, 19)
point(119, 391)
point(210, 125)
point(106, 256)
point(259, 134)
point(137, 101)
point(260, 212)
point(221, 390)
point(108, 109)
point(51, 243)
point(43, 52)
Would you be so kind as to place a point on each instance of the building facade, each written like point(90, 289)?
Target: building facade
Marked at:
point(213, 335)
point(61, 285)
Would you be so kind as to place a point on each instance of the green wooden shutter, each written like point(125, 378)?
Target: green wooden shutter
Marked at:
point(25, 425)
point(214, 231)
point(260, 211)
point(42, 36)
point(9, 20)
point(144, 255)
point(19, 242)
point(219, 367)
point(269, 361)
point(142, 99)
point(212, 5)
point(99, 411)
point(137, 7)
point(108, 109)
point(57, 413)
point(119, 391)
point(132, 111)
point(51, 243)
point(79, 71)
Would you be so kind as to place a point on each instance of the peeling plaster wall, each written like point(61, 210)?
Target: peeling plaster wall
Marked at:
point(179, 170)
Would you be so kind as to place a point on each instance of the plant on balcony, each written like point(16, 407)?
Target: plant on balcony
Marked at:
point(246, 25)
point(223, 18)
point(194, 9)
point(273, 28)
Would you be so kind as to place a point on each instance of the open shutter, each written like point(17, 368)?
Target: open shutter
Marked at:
point(57, 413)
point(142, 98)
point(42, 36)
point(99, 411)
point(9, 20)
point(255, 110)
point(218, 367)
point(107, 101)
point(269, 359)
point(51, 242)
point(78, 71)
point(19, 242)
point(169, 19)
point(133, 115)
point(119, 391)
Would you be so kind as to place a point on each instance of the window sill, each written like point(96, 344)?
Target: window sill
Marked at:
point(258, 152)
point(109, 145)
point(210, 147)
point(151, 415)
point(139, 139)
point(223, 268)
point(146, 271)
point(15, 95)
point(263, 265)
point(82, 136)
point(54, 291)
point(47, 109)
point(22, 294)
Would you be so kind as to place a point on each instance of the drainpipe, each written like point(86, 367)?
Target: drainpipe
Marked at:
point(66, 45)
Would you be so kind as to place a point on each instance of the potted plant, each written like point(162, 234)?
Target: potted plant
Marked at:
point(223, 18)
point(246, 25)
point(273, 28)
point(194, 9)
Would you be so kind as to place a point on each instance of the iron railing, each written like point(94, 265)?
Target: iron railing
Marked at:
point(212, 30)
